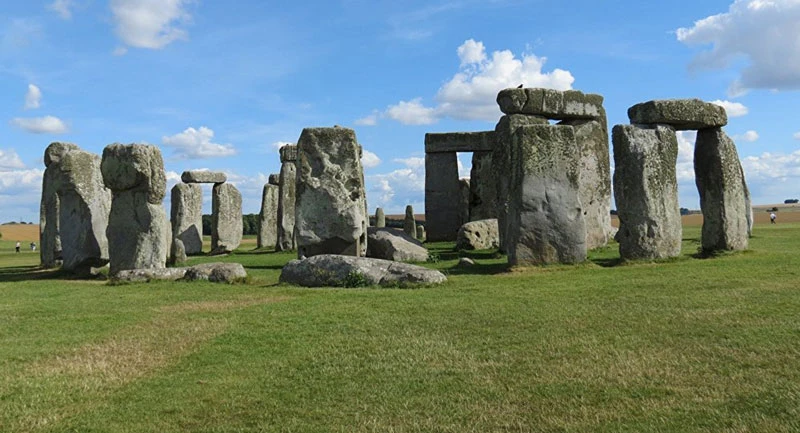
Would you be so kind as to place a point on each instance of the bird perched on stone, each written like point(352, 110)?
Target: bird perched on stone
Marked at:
point(519, 87)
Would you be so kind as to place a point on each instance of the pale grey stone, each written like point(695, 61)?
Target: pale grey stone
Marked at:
point(483, 193)
point(450, 142)
point(409, 223)
point(478, 235)
point(545, 217)
point(152, 274)
point(330, 270)
point(551, 104)
point(442, 190)
point(137, 232)
point(226, 218)
point(177, 254)
point(268, 217)
point(330, 212)
point(681, 114)
point(380, 218)
point(186, 214)
point(395, 245)
point(286, 202)
point(719, 179)
point(463, 201)
point(465, 262)
point(135, 168)
point(203, 176)
point(420, 233)
point(227, 273)
point(646, 191)
point(56, 150)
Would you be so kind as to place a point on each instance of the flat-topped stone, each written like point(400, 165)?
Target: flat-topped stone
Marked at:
point(288, 153)
point(459, 142)
point(681, 114)
point(552, 104)
point(203, 176)
point(329, 270)
point(213, 272)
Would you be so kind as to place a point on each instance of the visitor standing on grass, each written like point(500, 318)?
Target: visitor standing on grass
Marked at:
point(772, 218)
point(17, 246)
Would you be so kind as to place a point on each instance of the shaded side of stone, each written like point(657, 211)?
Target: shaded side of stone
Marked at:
point(226, 218)
point(483, 193)
point(286, 207)
point(463, 201)
point(186, 214)
point(268, 217)
point(49, 238)
point(442, 190)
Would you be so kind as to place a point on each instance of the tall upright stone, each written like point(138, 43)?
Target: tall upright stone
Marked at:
point(186, 214)
point(330, 209)
point(442, 187)
point(49, 238)
point(720, 182)
point(380, 218)
point(287, 199)
point(137, 232)
point(268, 217)
point(463, 201)
point(483, 193)
point(226, 218)
point(646, 191)
point(409, 223)
point(546, 223)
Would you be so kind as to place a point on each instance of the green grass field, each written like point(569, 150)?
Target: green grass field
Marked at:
point(689, 344)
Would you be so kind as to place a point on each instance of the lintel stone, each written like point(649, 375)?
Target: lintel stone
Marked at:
point(681, 114)
point(552, 104)
point(203, 176)
point(459, 142)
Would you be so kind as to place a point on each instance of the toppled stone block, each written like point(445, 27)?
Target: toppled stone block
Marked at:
point(226, 218)
point(227, 273)
point(395, 245)
point(681, 114)
point(478, 235)
point(330, 270)
point(203, 176)
point(551, 104)
point(186, 214)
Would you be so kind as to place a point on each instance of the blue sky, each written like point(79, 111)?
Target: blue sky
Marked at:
point(220, 85)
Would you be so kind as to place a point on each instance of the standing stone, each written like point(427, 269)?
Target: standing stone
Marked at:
point(268, 217)
point(380, 218)
point(442, 188)
point(545, 217)
point(49, 239)
point(502, 162)
point(286, 199)
point(463, 201)
point(409, 223)
point(748, 206)
point(718, 175)
point(186, 213)
point(483, 194)
point(646, 191)
point(226, 218)
point(274, 179)
point(421, 233)
point(330, 210)
point(177, 254)
point(137, 225)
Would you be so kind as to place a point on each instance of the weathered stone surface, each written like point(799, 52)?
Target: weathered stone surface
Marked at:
point(203, 176)
point(274, 179)
point(478, 235)
point(450, 142)
point(330, 210)
point(288, 153)
point(483, 193)
point(442, 190)
point(552, 104)
point(681, 114)
point(380, 218)
point(748, 206)
point(186, 214)
point(502, 164)
point(145, 275)
point(395, 245)
point(646, 191)
point(409, 223)
point(463, 201)
point(595, 179)
point(136, 168)
point(420, 233)
point(177, 253)
point(137, 232)
point(546, 223)
point(214, 272)
point(330, 270)
point(226, 218)
point(56, 150)
point(286, 206)
point(718, 175)
point(268, 217)
point(49, 238)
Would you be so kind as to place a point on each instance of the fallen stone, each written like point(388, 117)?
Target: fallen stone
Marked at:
point(203, 176)
point(329, 270)
point(395, 245)
point(551, 104)
point(214, 272)
point(186, 214)
point(681, 114)
point(226, 218)
point(478, 235)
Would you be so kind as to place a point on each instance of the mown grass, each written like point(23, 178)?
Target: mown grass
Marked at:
point(684, 345)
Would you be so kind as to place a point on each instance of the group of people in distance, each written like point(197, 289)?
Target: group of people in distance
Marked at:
point(32, 245)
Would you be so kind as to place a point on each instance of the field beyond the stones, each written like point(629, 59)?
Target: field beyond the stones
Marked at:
point(689, 345)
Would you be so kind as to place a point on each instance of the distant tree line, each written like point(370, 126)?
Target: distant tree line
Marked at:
point(791, 201)
point(249, 224)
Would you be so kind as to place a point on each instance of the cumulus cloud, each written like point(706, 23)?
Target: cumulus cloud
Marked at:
point(734, 109)
point(197, 144)
point(471, 93)
point(369, 159)
point(796, 136)
point(397, 188)
point(151, 24)
point(10, 160)
point(370, 120)
point(749, 136)
point(33, 97)
point(62, 7)
point(41, 125)
point(764, 32)
point(685, 167)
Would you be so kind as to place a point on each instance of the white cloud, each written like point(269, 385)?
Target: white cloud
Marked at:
point(33, 97)
point(370, 120)
point(734, 109)
point(369, 159)
point(41, 125)
point(684, 170)
point(764, 32)
point(772, 166)
point(276, 146)
point(796, 136)
point(10, 160)
point(20, 194)
point(394, 190)
point(749, 137)
point(151, 24)
point(62, 7)
point(472, 92)
point(196, 144)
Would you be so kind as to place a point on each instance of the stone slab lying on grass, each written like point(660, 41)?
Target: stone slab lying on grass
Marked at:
point(478, 235)
point(328, 270)
point(214, 272)
point(395, 245)
point(203, 176)
point(681, 114)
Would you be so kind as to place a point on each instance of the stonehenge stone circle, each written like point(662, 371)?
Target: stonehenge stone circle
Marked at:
point(186, 214)
point(226, 218)
point(409, 223)
point(478, 235)
point(268, 217)
point(287, 199)
point(545, 218)
point(137, 224)
point(646, 191)
point(720, 182)
point(681, 114)
point(330, 208)
point(380, 218)
point(203, 176)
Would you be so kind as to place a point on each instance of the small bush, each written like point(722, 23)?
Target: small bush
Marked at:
point(433, 257)
point(355, 279)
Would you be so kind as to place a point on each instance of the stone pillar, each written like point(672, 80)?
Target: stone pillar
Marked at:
point(226, 218)
point(409, 223)
point(49, 239)
point(483, 193)
point(463, 201)
point(380, 218)
point(421, 232)
point(330, 210)
point(545, 218)
point(719, 179)
point(442, 189)
point(268, 217)
point(186, 214)
point(137, 224)
point(286, 199)
point(646, 191)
